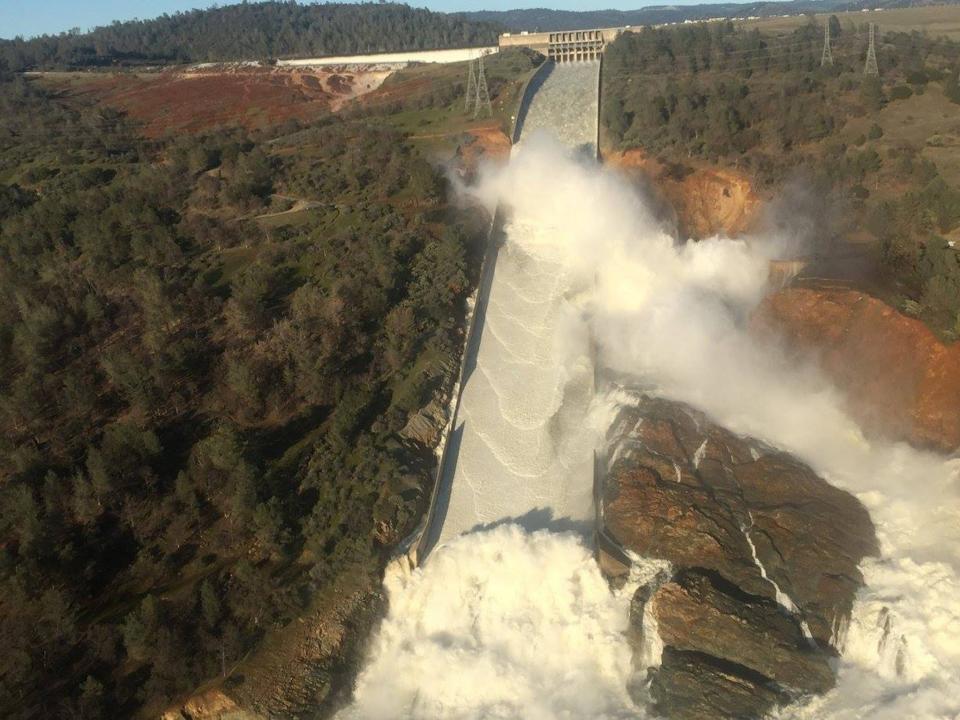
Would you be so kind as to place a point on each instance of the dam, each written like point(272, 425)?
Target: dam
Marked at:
point(519, 450)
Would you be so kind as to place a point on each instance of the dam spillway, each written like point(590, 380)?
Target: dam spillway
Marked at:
point(519, 450)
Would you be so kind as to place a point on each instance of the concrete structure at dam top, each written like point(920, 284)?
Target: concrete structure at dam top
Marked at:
point(564, 46)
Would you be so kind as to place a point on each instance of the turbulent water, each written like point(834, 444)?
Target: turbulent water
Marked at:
point(504, 623)
point(523, 446)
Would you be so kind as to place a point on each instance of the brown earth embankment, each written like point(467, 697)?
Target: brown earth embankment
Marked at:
point(176, 101)
point(707, 201)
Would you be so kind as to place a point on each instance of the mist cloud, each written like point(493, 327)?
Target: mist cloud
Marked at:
point(528, 619)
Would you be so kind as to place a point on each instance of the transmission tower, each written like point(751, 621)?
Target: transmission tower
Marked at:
point(483, 94)
point(471, 88)
point(870, 68)
point(827, 57)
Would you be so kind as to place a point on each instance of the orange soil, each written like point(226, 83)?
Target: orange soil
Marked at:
point(902, 382)
point(707, 201)
point(490, 143)
point(177, 101)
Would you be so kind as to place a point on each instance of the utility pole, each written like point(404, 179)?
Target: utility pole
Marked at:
point(471, 88)
point(870, 68)
point(827, 57)
point(483, 94)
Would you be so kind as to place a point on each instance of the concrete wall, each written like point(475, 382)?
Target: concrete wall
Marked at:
point(526, 95)
point(402, 58)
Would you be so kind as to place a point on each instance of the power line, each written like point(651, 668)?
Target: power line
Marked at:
point(870, 67)
point(483, 94)
point(471, 87)
point(827, 57)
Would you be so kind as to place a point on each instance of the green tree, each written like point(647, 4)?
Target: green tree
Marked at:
point(871, 93)
point(835, 30)
point(210, 603)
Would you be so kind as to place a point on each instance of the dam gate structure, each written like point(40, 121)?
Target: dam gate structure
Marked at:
point(564, 46)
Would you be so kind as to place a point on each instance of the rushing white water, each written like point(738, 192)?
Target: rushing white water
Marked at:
point(674, 316)
point(501, 624)
point(527, 423)
point(507, 624)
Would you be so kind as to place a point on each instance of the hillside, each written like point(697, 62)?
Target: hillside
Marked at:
point(224, 358)
point(865, 170)
point(251, 31)
point(547, 19)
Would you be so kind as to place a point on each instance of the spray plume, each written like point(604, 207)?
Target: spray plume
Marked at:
point(505, 624)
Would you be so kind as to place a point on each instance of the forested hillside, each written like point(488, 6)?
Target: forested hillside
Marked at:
point(252, 31)
point(203, 394)
point(879, 153)
point(544, 19)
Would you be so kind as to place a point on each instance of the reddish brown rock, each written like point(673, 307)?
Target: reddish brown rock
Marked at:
point(901, 381)
point(748, 632)
point(693, 686)
point(707, 201)
point(764, 556)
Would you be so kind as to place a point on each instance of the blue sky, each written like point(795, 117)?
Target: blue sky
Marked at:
point(35, 17)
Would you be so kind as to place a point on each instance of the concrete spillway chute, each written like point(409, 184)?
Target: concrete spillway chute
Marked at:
point(517, 451)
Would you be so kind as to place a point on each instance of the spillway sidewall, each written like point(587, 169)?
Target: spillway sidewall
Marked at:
point(526, 97)
point(471, 345)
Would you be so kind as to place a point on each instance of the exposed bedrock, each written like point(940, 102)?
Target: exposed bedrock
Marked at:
point(704, 201)
point(764, 553)
point(901, 381)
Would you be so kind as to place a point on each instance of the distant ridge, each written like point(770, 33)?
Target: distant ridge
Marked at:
point(250, 31)
point(546, 19)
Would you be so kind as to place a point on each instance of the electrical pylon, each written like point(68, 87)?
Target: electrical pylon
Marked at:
point(483, 94)
point(471, 88)
point(870, 68)
point(827, 57)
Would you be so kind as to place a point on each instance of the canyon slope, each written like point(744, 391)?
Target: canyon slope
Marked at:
point(901, 381)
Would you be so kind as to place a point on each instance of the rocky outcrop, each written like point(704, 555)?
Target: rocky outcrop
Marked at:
point(739, 629)
point(692, 685)
point(764, 558)
point(707, 201)
point(210, 705)
point(900, 380)
point(304, 669)
point(426, 425)
point(482, 143)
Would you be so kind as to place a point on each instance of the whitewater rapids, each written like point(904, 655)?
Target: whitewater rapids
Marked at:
point(505, 621)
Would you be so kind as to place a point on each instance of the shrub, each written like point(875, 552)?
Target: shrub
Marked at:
point(901, 92)
point(859, 192)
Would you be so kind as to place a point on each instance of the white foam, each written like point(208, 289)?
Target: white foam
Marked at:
point(500, 625)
